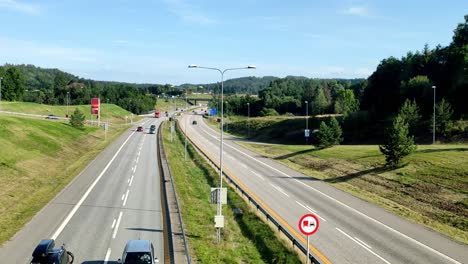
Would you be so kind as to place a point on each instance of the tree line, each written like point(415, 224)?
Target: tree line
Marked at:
point(54, 87)
point(369, 105)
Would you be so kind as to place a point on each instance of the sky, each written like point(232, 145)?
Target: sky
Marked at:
point(146, 41)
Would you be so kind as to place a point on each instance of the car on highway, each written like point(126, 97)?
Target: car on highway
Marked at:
point(194, 122)
point(138, 252)
point(51, 116)
point(139, 129)
point(152, 129)
point(45, 253)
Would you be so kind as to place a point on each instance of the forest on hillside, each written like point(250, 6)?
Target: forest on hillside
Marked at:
point(369, 105)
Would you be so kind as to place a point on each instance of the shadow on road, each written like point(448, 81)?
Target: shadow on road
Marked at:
point(308, 178)
point(144, 229)
point(98, 262)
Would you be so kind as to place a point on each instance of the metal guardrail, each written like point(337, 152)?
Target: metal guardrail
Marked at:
point(281, 228)
point(162, 156)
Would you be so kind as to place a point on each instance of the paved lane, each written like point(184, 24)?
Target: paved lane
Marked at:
point(116, 198)
point(351, 230)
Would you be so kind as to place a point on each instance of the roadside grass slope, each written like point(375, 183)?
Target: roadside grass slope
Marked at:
point(115, 113)
point(430, 188)
point(38, 158)
point(245, 238)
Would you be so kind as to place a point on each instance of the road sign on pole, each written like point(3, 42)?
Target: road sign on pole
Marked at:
point(307, 133)
point(308, 225)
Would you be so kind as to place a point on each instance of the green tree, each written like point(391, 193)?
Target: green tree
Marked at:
point(410, 114)
point(324, 136)
point(335, 131)
point(397, 143)
point(268, 112)
point(12, 85)
point(443, 117)
point(346, 103)
point(319, 103)
point(77, 119)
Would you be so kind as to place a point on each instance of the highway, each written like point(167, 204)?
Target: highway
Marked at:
point(114, 199)
point(351, 230)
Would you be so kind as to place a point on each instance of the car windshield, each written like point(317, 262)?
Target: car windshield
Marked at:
point(138, 258)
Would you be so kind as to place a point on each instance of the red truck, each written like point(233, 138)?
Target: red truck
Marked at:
point(157, 113)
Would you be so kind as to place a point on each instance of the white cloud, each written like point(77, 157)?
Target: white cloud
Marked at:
point(33, 9)
point(188, 12)
point(357, 11)
point(20, 51)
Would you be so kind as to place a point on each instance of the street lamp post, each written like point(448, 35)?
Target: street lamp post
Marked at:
point(307, 122)
point(1, 78)
point(68, 102)
point(106, 127)
point(185, 127)
point(248, 119)
point(433, 118)
point(227, 113)
point(219, 209)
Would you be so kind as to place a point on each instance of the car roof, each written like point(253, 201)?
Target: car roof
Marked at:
point(138, 246)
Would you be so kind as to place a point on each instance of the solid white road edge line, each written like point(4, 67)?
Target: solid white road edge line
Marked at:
point(123, 196)
point(85, 195)
point(357, 242)
point(117, 226)
point(106, 258)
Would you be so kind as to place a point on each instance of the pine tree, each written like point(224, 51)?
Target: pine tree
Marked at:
point(335, 131)
point(409, 111)
point(324, 136)
point(77, 119)
point(397, 142)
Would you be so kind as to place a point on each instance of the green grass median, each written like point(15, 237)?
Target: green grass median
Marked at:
point(245, 238)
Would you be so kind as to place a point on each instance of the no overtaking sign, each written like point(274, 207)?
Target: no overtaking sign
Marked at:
point(308, 224)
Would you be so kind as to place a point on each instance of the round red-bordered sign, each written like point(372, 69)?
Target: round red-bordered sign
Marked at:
point(308, 224)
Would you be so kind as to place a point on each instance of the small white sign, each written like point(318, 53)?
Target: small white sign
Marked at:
point(307, 132)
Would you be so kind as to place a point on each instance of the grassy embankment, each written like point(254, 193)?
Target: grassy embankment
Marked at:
point(163, 104)
point(245, 238)
point(430, 189)
point(38, 158)
point(114, 113)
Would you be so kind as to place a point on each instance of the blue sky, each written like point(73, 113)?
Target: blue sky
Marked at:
point(154, 41)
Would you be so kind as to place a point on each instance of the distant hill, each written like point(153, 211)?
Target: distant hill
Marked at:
point(237, 85)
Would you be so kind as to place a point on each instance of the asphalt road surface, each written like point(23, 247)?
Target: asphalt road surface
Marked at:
point(116, 198)
point(351, 230)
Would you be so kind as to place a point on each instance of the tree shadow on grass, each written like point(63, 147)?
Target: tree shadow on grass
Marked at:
point(351, 176)
point(289, 155)
point(441, 150)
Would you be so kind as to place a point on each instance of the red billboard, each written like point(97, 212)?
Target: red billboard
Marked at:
point(95, 106)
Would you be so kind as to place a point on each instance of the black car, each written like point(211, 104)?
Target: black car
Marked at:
point(139, 129)
point(152, 129)
point(138, 252)
point(194, 122)
point(45, 253)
